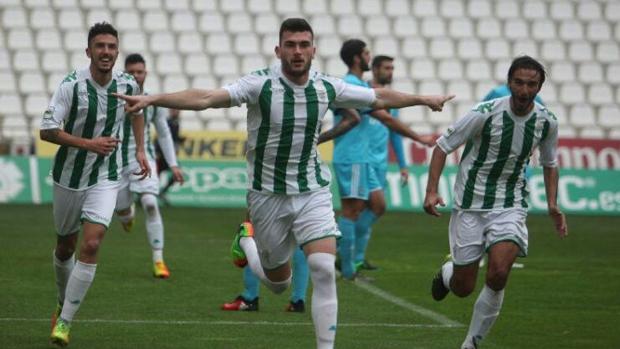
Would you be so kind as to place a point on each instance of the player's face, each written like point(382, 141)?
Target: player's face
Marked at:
point(296, 52)
point(103, 51)
point(524, 86)
point(365, 60)
point(383, 73)
point(138, 71)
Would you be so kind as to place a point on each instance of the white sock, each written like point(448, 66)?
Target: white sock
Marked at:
point(154, 225)
point(486, 310)
point(62, 270)
point(79, 282)
point(251, 253)
point(324, 298)
point(128, 217)
point(447, 269)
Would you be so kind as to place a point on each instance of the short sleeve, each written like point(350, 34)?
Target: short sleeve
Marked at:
point(245, 90)
point(549, 146)
point(59, 107)
point(461, 131)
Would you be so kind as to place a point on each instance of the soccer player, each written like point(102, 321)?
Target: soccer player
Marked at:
point(289, 200)
point(248, 299)
point(177, 140)
point(85, 119)
point(147, 189)
point(360, 187)
point(489, 208)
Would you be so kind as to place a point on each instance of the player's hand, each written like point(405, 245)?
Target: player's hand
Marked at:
point(177, 175)
point(134, 103)
point(430, 203)
point(145, 169)
point(428, 140)
point(436, 102)
point(404, 176)
point(559, 221)
point(103, 145)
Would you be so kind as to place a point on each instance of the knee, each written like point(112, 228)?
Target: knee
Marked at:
point(90, 247)
point(279, 287)
point(64, 252)
point(462, 288)
point(149, 204)
point(321, 271)
point(497, 278)
point(379, 210)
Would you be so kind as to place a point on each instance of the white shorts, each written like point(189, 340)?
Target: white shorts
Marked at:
point(282, 222)
point(95, 204)
point(133, 184)
point(474, 232)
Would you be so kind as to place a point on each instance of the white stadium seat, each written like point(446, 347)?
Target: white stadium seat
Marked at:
point(461, 28)
point(405, 27)
point(174, 82)
point(612, 74)
point(342, 7)
point(54, 80)
point(239, 22)
point(350, 26)
point(230, 6)
point(488, 28)
point(404, 85)
point(246, 44)
point(414, 47)
point(169, 63)
point(482, 88)
point(600, 94)
point(609, 115)
point(145, 5)
point(133, 42)
point(378, 26)
point(423, 68)
point(592, 132)
point(19, 39)
point(562, 71)
point(183, 21)
point(26, 60)
point(549, 93)
point(10, 104)
point(54, 61)
point(225, 64)
point(327, 46)
point(268, 22)
point(559, 109)
point(259, 6)
point(386, 45)
point(612, 11)
point(31, 82)
point(516, 29)
point(534, 9)
point(370, 8)
point(543, 29)
point(271, 41)
point(469, 48)
point(35, 104)
point(572, 93)
point(442, 48)
point(14, 17)
point(424, 8)
point(205, 82)
point(598, 31)
point(525, 47)
point(462, 89)
point(48, 39)
point(162, 42)
point(335, 67)
point(478, 70)
point(607, 52)
point(8, 81)
point(553, 50)
point(431, 88)
point(560, 10)
point(501, 67)
point(42, 18)
point(70, 19)
point(197, 63)
point(580, 51)
point(565, 131)
point(588, 10)
point(497, 49)
point(171, 5)
point(571, 30)
point(479, 9)
point(155, 20)
point(79, 60)
point(507, 9)
point(98, 15)
point(64, 4)
point(315, 7)
point(128, 19)
point(452, 9)
point(250, 63)
point(589, 72)
point(211, 23)
point(90, 4)
point(395, 8)
point(190, 42)
point(433, 27)
point(218, 43)
point(287, 7)
point(413, 116)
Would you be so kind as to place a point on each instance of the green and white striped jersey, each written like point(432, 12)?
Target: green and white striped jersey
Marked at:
point(499, 145)
point(152, 116)
point(283, 123)
point(87, 110)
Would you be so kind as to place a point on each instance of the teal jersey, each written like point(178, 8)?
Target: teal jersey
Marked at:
point(353, 146)
point(379, 137)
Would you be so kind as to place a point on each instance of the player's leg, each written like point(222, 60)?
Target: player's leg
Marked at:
point(506, 240)
point(301, 277)
point(375, 209)
point(248, 299)
point(155, 233)
point(124, 206)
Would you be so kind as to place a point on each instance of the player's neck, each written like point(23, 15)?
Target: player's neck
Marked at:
point(376, 84)
point(299, 80)
point(357, 71)
point(100, 78)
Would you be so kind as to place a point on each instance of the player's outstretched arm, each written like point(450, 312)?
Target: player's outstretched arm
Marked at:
point(398, 126)
point(432, 198)
point(388, 98)
point(190, 99)
point(551, 176)
point(350, 118)
point(99, 145)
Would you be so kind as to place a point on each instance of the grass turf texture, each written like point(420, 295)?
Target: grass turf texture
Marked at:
point(565, 297)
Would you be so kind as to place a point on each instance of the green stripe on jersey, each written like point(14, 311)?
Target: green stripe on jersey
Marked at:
point(312, 110)
point(286, 140)
point(526, 148)
point(111, 120)
point(61, 156)
point(147, 138)
point(524, 191)
point(107, 131)
point(467, 149)
point(508, 127)
point(126, 133)
point(468, 193)
point(331, 92)
point(87, 132)
point(264, 101)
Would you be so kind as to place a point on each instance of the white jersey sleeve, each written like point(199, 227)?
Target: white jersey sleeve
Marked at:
point(461, 131)
point(59, 107)
point(351, 96)
point(549, 146)
point(164, 137)
point(245, 90)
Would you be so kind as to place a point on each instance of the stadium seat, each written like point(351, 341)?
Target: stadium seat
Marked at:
point(54, 80)
point(543, 29)
point(288, 8)
point(25, 60)
point(70, 19)
point(598, 31)
point(183, 22)
point(609, 116)
point(423, 68)
point(572, 93)
point(225, 64)
point(464, 107)
point(461, 28)
point(211, 23)
point(607, 52)
point(497, 49)
point(385, 45)
point(441, 48)
point(404, 84)
point(31, 4)
point(92, 4)
point(35, 105)
point(133, 42)
point(59, 4)
point(128, 19)
point(482, 89)
point(48, 39)
point(397, 8)
point(441, 120)
point(571, 30)
point(501, 67)
point(123, 5)
point(173, 5)
point(469, 49)
point(153, 83)
point(612, 74)
point(516, 29)
point(405, 27)
point(31, 82)
point(267, 22)
point(612, 11)
point(239, 22)
point(378, 26)
point(155, 20)
point(218, 43)
point(413, 116)
point(8, 81)
point(269, 43)
point(14, 18)
point(335, 67)
point(590, 72)
point(169, 63)
point(19, 39)
point(424, 8)
point(190, 42)
point(5, 59)
point(99, 15)
point(592, 132)
point(614, 134)
point(196, 64)
point(342, 7)
point(10, 103)
point(534, 9)
point(525, 47)
point(588, 11)
point(433, 27)
point(162, 42)
point(250, 63)
point(580, 51)
point(174, 82)
point(259, 6)
point(462, 90)
point(507, 9)
point(566, 131)
point(478, 70)
point(563, 71)
point(452, 9)
point(219, 125)
point(42, 18)
point(558, 109)
point(327, 46)
point(350, 26)
point(78, 60)
point(488, 28)
point(431, 87)
point(145, 5)
point(553, 50)
point(600, 94)
point(246, 43)
point(230, 6)
point(549, 92)
point(315, 7)
point(561, 10)
point(317, 64)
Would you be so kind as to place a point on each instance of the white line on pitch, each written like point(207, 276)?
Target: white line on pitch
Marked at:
point(225, 323)
point(443, 320)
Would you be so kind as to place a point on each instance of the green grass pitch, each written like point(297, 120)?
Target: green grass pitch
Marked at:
point(566, 296)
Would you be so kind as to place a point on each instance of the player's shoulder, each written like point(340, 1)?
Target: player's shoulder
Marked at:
point(490, 107)
point(123, 77)
point(544, 112)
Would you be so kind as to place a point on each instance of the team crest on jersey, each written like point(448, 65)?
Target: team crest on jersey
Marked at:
point(448, 132)
point(49, 112)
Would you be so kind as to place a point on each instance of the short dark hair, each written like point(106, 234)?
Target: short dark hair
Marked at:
point(101, 28)
point(378, 60)
point(134, 58)
point(527, 62)
point(295, 25)
point(350, 49)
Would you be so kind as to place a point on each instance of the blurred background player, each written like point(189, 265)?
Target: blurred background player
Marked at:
point(162, 165)
point(85, 119)
point(359, 186)
point(148, 189)
point(490, 207)
point(248, 299)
